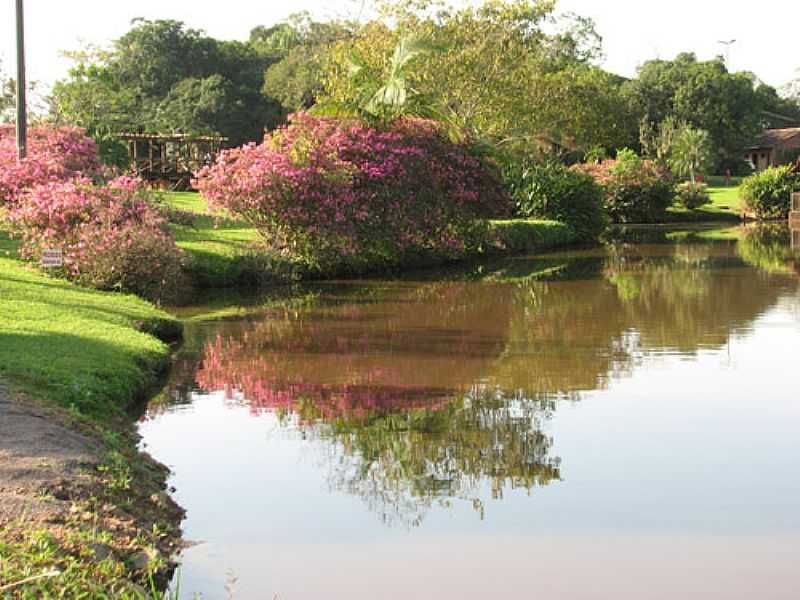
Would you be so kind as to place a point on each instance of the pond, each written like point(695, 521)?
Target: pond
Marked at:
point(620, 422)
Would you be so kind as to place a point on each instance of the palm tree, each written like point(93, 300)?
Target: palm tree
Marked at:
point(691, 152)
point(390, 95)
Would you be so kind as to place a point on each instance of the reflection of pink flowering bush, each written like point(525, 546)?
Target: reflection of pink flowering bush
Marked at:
point(232, 366)
point(54, 154)
point(332, 192)
point(112, 237)
point(356, 359)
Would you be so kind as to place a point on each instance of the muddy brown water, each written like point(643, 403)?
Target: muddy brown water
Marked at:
point(611, 423)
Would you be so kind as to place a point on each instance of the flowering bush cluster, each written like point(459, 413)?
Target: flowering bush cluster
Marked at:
point(339, 194)
point(54, 154)
point(112, 236)
point(634, 190)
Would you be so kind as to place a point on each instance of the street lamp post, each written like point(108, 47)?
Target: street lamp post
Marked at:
point(727, 45)
point(22, 111)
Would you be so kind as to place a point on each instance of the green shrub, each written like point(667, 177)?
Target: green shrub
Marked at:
point(553, 191)
point(634, 190)
point(768, 194)
point(692, 195)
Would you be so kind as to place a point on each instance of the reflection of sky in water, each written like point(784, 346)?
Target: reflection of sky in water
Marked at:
point(678, 479)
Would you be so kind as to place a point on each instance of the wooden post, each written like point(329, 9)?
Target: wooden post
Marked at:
point(22, 107)
point(794, 215)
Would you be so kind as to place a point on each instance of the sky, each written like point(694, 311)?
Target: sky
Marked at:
point(633, 31)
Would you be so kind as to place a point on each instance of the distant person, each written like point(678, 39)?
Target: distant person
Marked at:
point(727, 178)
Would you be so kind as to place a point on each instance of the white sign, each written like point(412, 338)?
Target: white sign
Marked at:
point(52, 258)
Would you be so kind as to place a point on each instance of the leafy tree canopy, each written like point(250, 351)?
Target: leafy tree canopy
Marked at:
point(505, 72)
point(731, 107)
point(299, 46)
point(164, 77)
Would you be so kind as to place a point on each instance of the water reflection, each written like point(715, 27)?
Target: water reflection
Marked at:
point(423, 393)
point(772, 248)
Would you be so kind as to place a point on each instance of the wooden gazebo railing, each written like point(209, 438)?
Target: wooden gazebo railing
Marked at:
point(170, 159)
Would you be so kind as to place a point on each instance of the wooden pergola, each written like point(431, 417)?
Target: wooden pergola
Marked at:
point(170, 159)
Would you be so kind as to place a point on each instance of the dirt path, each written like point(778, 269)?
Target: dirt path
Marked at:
point(40, 460)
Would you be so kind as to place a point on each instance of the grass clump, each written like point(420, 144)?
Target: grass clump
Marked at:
point(529, 235)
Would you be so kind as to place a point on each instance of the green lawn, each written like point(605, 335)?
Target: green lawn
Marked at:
point(219, 247)
point(83, 349)
point(725, 206)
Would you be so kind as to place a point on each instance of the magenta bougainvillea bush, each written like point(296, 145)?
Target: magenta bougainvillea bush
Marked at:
point(112, 236)
point(54, 154)
point(338, 193)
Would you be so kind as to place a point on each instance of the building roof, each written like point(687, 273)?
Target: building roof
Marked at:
point(772, 138)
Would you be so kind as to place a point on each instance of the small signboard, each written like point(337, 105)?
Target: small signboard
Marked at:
point(52, 258)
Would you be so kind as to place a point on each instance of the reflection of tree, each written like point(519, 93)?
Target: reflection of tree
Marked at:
point(689, 301)
point(769, 247)
point(402, 463)
point(424, 392)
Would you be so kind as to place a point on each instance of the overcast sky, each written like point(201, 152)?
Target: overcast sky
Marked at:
point(767, 34)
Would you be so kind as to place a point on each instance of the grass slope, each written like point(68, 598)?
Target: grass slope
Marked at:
point(85, 350)
point(219, 246)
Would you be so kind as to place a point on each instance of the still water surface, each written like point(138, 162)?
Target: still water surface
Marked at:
point(614, 423)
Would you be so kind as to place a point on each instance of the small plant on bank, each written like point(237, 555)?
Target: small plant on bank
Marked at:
point(768, 194)
point(339, 195)
point(553, 191)
point(692, 195)
point(635, 190)
point(112, 237)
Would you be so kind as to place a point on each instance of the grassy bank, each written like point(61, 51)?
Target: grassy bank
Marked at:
point(90, 352)
point(84, 357)
point(222, 249)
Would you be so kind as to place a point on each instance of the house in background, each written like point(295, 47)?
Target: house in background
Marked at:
point(774, 147)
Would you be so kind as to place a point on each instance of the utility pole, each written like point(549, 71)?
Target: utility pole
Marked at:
point(22, 108)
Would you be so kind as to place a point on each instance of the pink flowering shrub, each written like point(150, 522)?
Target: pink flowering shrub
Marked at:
point(112, 237)
point(339, 194)
point(54, 154)
point(635, 190)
